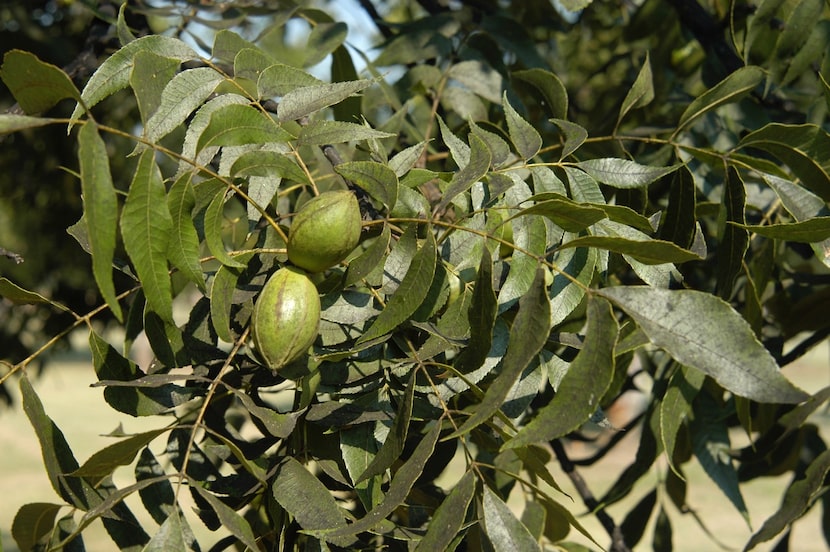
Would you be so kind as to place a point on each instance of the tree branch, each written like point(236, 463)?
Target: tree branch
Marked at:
point(617, 540)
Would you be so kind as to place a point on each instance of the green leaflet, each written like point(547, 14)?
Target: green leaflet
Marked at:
point(450, 516)
point(222, 289)
point(100, 210)
point(641, 92)
point(104, 462)
point(13, 123)
point(409, 295)
point(549, 87)
point(183, 94)
point(148, 77)
point(733, 240)
point(723, 347)
point(583, 385)
point(652, 252)
point(528, 335)
point(321, 133)
point(482, 318)
point(504, 531)
point(525, 138)
point(731, 89)
point(393, 445)
point(623, 173)
point(114, 73)
point(304, 101)
point(237, 125)
point(214, 225)
point(472, 172)
point(183, 247)
point(676, 405)
point(232, 521)
point(32, 522)
point(146, 227)
point(399, 489)
point(376, 179)
point(37, 86)
point(710, 444)
point(805, 149)
point(574, 135)
point(308, 500)
point(799, 496)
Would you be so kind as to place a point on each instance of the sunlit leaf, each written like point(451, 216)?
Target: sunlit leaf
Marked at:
point(183, 94)
point(214, 229)
point(105, 461)
point(645, 251)
point(565, 213)
point(183, 247)
point(504, 531)
point(623, 173)
point(474, 171)
point(573, 134)
point(238, 124)
point(525, 138)
point(148, 78)
point(146, 226)
point(724, 348)
point(308, 99)
point(100, 210)
point(114, 73)
point(320, 133)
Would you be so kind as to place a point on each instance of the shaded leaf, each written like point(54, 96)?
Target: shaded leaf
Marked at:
point(237, 525)
point(584, 384)
point(20, 296)
point(479, 77)
point(362, 265)
point(32, 522)
point(549, 86)
point(269, 164)
point(399, 489)
point(678, 223)
point(37, 86)
point(409, 295)
point(808, 231)
point(171, 535)
point(450, 516)
point(800, 495)
point(676, 405)
point(376, 179)
point(527, 337)
point(472, 172)
point(731, 89)
point(710, 443)
point(148, 77)
point(482, 318)
point(734, 240)
point(396, 438)
point(805, 149)
point(222, 289)
point(724, 348)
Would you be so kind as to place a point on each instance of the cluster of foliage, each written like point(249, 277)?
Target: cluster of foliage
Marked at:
point(559, 208)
